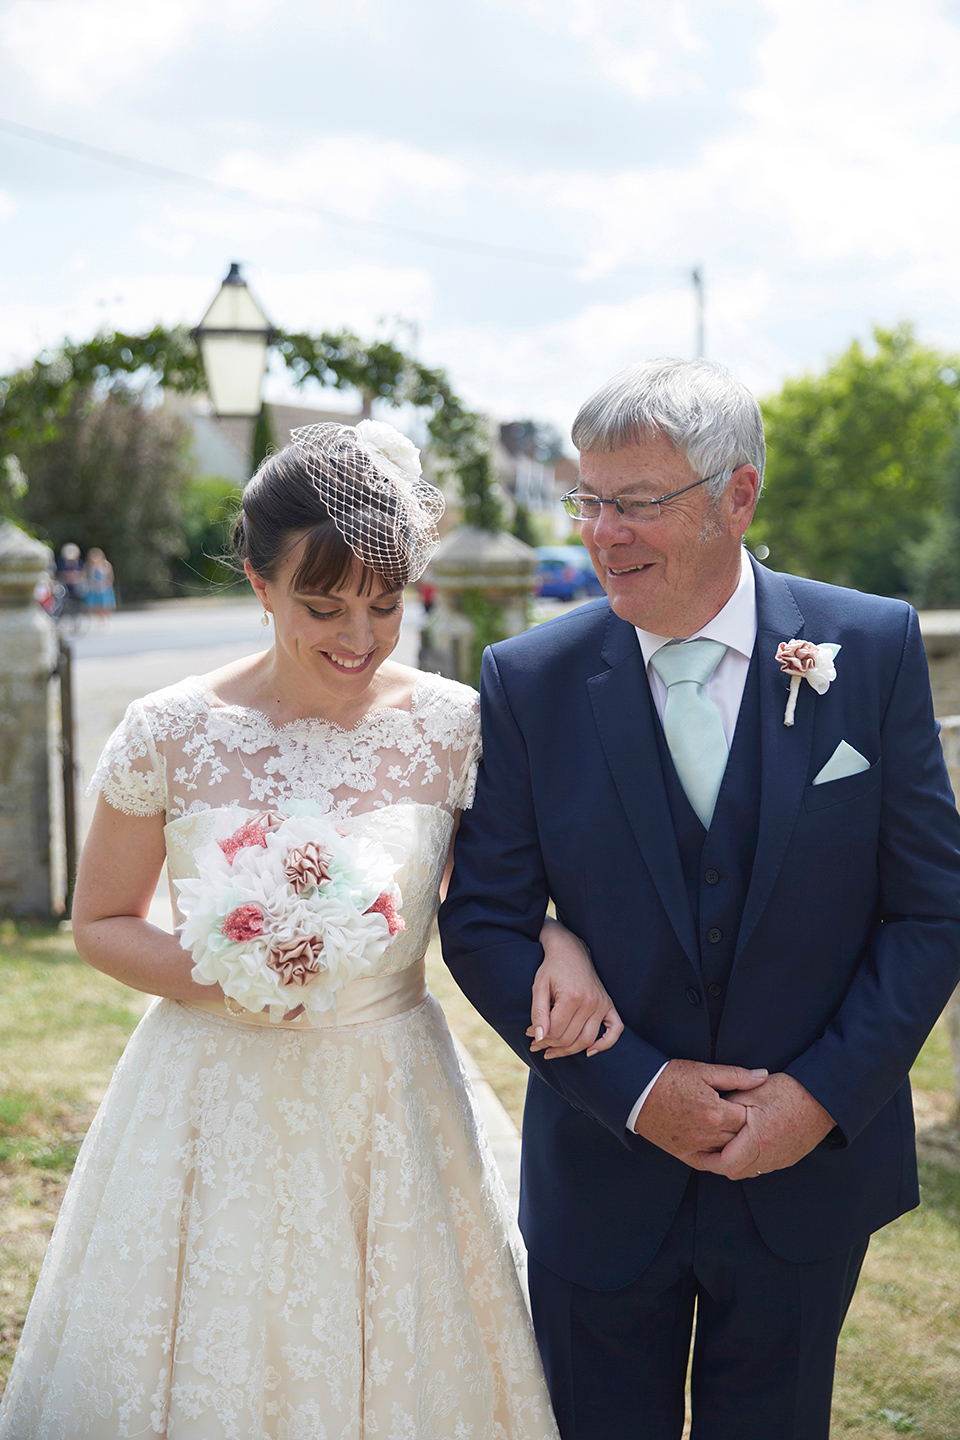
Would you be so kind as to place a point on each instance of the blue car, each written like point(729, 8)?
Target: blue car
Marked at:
point(564, 572)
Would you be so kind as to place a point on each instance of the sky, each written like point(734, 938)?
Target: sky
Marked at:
point(516, 190)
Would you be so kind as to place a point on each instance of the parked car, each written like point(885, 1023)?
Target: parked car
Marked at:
point(564, 572)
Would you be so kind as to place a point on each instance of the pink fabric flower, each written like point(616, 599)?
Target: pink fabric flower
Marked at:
point(243, 924)
point(796, 657)
point(385, 905)
point(252, 832)
point(802, 660)
point(248, 834)
point(296, 961)
point(308, 865)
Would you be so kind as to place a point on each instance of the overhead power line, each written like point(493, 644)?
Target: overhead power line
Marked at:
point(214, 187)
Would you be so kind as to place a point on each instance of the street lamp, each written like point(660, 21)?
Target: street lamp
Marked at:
point(233, 337)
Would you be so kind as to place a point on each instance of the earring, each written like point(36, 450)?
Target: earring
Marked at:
point(265, 618)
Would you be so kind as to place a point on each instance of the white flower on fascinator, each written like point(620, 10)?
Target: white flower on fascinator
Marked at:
point(385, 442)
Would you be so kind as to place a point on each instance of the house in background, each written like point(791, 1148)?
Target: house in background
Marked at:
point(223, 447)
point(534, 472)
point(531, 469)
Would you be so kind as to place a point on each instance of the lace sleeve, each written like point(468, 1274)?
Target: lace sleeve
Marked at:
point(130, 773)
point(468, 770)
point(449, 714)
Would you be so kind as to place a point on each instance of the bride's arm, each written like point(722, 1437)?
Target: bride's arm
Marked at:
point(570, 1005)
point(118, 873)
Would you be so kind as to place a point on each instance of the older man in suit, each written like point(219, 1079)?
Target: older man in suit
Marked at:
point(729, 782)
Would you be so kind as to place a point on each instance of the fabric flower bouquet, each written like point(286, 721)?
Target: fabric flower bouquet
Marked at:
point(287, 911)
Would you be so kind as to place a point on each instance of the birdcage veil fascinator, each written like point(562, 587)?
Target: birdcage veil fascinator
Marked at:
point(368, 477)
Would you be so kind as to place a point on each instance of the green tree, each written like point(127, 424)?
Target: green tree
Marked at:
point(209, 508)
point(932, 563)
point(858, 461)
point(381, 371)
point(112, 475)
point(264, 438)
point(35, 403)
point(523, 526)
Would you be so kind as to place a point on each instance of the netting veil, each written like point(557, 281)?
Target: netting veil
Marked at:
point(368, 477)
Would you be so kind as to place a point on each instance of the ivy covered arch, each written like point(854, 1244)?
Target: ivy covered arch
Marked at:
point(35, 401)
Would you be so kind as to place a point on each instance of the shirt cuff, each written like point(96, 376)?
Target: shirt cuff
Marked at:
point(632, 1117)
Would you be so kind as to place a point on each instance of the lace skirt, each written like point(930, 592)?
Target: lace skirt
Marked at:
point(281, 1235)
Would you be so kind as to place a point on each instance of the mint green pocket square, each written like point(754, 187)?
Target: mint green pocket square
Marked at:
point(843, 762)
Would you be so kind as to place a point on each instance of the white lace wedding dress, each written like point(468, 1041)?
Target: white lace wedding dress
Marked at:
point(281, 1231)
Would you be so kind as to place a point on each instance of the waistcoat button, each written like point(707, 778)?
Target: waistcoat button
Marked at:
point(693, 996)
point(714, 990)
point(714, 936)
point(712, 876)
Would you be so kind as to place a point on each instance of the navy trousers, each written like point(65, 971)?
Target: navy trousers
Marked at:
point(764, 1344)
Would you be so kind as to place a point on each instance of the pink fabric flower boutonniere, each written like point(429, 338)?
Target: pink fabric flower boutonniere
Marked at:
point(802, 660)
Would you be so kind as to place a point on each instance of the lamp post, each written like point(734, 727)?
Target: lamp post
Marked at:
point(234, 336)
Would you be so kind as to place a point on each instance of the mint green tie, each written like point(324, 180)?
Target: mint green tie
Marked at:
point(691, 721)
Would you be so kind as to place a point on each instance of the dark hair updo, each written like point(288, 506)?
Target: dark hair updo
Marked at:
point(281, 506)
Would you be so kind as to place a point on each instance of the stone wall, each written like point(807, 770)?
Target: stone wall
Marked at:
point(29, 733)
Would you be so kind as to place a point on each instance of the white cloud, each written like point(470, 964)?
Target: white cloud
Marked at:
point(122, 302)
point(78, 50)
point(8, 207)
point(353, 174)
point(75, 50)
point(830, 201)
point(642, 48)
point(839, 157)
point(549, 370)
point(846, 144)
point(175, 243)
point(356, 297)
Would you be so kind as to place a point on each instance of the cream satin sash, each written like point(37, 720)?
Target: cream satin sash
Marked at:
point(376, 997)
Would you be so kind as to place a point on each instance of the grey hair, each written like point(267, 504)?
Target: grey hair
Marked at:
point(708, 415)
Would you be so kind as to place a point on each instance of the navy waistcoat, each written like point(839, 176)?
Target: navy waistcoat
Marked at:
point(718, 863)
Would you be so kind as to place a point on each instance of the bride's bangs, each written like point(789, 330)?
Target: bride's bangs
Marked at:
point(328, 565)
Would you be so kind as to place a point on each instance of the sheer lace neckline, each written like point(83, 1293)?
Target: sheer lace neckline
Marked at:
point(183, 749)
point(205, 691)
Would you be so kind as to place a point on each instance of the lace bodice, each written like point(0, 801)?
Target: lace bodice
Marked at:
point(182, 750)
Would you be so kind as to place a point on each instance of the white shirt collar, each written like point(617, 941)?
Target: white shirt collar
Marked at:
point(735, 625)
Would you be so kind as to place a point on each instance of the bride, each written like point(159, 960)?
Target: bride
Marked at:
point(284, 1221)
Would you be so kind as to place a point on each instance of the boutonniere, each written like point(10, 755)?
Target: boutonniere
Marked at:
point(802, 660)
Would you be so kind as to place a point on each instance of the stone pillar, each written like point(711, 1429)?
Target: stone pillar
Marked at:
point(29, 730)
point(483, 583)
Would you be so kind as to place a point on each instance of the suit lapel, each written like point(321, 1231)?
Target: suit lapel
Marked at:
point(620, 698)
point(784, 750)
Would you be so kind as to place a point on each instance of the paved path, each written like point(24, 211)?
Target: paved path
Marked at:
point(143, 650)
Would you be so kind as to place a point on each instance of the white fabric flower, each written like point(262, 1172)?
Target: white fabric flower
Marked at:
point(383, 440)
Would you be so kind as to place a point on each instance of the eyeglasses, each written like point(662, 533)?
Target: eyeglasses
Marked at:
point(631, 507)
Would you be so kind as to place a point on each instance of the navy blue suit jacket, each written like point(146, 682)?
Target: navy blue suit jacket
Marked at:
point(849, 940)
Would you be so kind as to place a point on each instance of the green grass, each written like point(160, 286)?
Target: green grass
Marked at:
point(899, 1367)
point(933, 1069)
point(62, 1030)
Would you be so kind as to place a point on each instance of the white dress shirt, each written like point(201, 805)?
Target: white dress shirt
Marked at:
point(736, 627)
